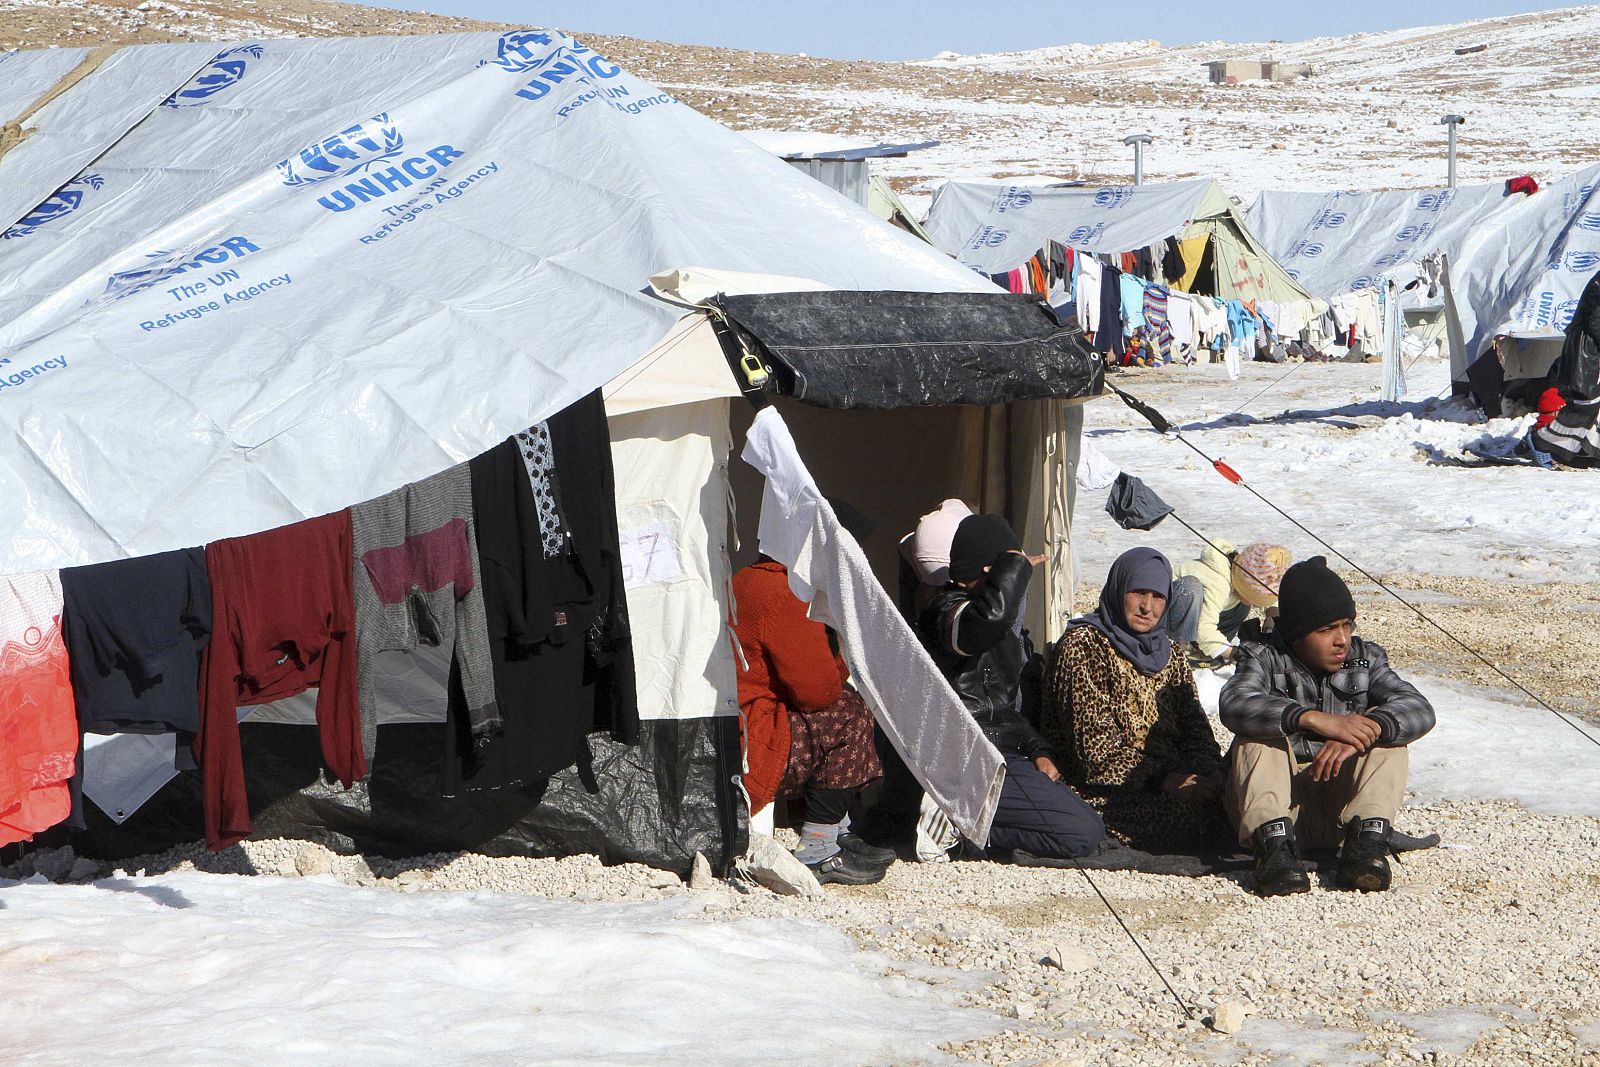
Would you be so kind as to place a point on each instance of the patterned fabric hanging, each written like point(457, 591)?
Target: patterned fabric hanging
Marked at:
point(539, 456)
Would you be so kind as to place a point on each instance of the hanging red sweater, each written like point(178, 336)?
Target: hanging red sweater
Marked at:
point(283, 620)
point(791, 666)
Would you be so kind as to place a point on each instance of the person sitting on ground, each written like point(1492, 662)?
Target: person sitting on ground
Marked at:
point(1321, 723)
point(1122, 705)
point(973, 630)
point(807, 732)
point(1212, 596)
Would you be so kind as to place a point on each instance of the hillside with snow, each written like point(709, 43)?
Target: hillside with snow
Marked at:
point(1367, 118)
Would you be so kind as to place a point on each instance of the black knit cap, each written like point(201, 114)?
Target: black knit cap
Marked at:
point(979, 541)
point(1310, 597)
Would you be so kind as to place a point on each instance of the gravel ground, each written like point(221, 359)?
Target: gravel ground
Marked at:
point(1483, 953)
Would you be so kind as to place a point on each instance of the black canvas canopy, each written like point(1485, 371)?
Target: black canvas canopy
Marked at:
point(880, 350)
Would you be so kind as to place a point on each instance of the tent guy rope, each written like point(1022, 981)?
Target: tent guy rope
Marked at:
point(1161, 424)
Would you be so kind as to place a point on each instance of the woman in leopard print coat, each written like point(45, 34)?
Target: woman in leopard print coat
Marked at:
point(1121, 706)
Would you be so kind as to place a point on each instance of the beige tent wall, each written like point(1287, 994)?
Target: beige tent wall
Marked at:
point(672, 513)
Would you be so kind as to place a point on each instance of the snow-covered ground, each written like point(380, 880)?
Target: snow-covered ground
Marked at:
point(205, 969)
point(1316, 440)
point(1464, 757)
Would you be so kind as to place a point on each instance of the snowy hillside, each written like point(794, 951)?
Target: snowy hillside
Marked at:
point(1369, 117)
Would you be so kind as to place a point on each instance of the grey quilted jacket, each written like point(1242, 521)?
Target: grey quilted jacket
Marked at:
point(1270, 690)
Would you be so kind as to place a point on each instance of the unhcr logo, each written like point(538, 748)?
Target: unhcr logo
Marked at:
point(163, 265)
point(988, 237)
point(1012, 198)
point(1564, 313)
point(1303, 247)
point(1329, 219)
point(1366, 281)
point(1412, 233)
point(1392, 259)
point(364, 147)
point(223, 72)
point(551, 58)
point(1581, 262)
point(1084, 235)
point(1113, 197)
point(1435, 201)
point(346, 152)
point(1589, 220)
point(55, 207)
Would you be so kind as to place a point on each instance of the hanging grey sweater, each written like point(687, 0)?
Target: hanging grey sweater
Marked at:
point(417, 583)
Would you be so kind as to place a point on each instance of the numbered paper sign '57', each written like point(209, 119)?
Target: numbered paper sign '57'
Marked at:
point(649, 555)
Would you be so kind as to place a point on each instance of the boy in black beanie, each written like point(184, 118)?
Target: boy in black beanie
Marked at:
point(1320, 724)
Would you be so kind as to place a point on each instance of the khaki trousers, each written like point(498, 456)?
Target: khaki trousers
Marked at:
point(1265, 783)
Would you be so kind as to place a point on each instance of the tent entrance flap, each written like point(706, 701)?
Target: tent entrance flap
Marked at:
point(923, 718)
point(881, 349)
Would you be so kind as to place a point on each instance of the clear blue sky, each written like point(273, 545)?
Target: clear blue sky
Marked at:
point(875, 29)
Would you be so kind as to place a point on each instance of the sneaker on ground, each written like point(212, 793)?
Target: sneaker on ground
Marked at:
point(1278, 869)
point(1364, 860)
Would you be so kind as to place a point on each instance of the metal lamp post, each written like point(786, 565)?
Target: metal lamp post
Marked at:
point(1452, 121)
point(1138, 141)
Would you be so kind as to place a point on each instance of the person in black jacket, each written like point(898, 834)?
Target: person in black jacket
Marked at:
point(973, 630)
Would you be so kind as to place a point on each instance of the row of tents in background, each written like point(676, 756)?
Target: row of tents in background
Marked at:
point(1499, 267)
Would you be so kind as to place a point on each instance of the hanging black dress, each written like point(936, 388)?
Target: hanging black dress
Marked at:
point(546, 524)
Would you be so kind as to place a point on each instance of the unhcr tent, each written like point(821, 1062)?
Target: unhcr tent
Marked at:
point(248, 285)
point(1514, 265)
point(1345, 241)
point(994, 228)
point(1521, 274)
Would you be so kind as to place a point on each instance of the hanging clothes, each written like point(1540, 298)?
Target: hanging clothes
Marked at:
point(135, 631)
point(1156, 320)
point(1171, 261)
point(1038, 282)
point(1132, 293)
point(38, 721)
point(1108, 335)
point(1211, 323)
point(1145, 261)
point(417, 583)
point(560, 645)
point(1087, 286)
point(1180, 323)
point(283, 614)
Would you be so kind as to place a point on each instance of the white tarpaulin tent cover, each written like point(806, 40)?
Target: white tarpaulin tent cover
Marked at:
point(1517, 263)
point(1525, 273)
point(342, 265)
point(1344, 241)
point(994, 228)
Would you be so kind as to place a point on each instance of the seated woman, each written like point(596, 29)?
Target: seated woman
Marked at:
point(1212, 596)
point(1123, 709)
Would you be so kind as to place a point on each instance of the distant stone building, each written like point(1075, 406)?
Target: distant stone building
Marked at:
point(1234, 71)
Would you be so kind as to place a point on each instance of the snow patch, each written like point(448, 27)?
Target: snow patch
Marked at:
point(210, 968)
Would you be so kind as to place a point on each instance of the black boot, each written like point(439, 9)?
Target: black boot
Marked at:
point(847, 868)
point(871, 853)
point(1278, 870)
point(1364, 860)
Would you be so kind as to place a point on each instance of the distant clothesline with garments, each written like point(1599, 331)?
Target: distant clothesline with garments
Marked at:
point(1139, 309)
